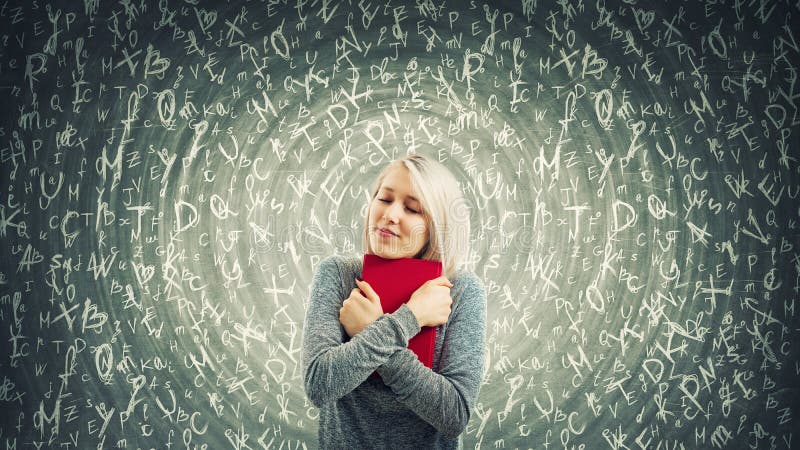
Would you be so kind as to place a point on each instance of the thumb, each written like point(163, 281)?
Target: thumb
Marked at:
point(368, 291)
point(441, 281)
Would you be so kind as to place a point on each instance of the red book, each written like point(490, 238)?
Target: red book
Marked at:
point(394, 280)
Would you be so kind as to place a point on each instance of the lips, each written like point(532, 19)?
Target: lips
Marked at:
point(386, 232)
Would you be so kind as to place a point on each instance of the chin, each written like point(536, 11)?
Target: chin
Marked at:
point(383, 252)
point(386, 250)
point(379, 251)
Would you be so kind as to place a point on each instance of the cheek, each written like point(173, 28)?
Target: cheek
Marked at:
point(419, 231)
point(372, 214)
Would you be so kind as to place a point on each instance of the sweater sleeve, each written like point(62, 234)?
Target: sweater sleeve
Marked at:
point(446, 399)
point(332, 368)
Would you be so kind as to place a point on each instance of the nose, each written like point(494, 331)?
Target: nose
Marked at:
point(392, 212)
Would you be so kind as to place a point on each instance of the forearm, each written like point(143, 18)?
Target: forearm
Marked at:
point(335, 369)
point(445, 398)
point(430, 395)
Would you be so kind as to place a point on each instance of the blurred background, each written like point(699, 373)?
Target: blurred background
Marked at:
point(173, 172)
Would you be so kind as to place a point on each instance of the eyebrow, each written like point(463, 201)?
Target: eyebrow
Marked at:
point(392, 190)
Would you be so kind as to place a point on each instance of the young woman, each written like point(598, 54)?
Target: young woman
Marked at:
point(416, 211)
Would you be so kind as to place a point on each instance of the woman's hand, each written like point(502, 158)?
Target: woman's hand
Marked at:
point(360, 309)
point(431, 302)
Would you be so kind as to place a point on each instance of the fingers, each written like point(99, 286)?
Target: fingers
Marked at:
point(356, 293)
point(368, 291)
point(441, 281)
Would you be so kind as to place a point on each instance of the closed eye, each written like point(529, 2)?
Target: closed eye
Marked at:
point(386, 200)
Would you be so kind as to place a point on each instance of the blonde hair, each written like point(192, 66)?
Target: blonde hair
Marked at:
point(443, 205)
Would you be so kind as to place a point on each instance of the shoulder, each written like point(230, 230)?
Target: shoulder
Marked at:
point(468, 287)
point(333, 276)
point(338, 267)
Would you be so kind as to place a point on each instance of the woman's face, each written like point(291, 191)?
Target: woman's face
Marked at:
point(397, 225)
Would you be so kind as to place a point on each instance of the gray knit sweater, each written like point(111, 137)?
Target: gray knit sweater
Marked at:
point(409, 405)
